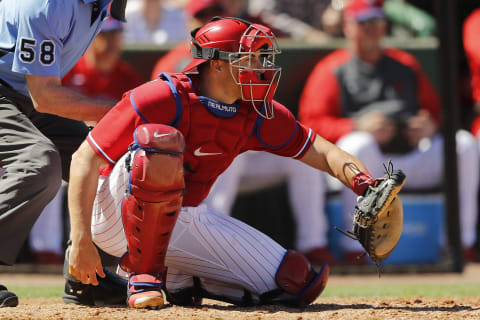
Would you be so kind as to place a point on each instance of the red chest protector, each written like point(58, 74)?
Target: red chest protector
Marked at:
point(212, 142)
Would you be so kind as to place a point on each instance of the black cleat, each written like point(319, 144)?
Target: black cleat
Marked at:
point(111, 290)
point(7, 298)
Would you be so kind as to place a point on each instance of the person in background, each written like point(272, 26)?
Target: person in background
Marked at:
point(198, 12)
point(378, 104)
point(154, 22)
point(471, 45)
point(304, 19)
point(299, 20)
point(101, 72)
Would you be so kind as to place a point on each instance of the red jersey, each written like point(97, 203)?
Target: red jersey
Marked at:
point(89, 81)
point(341, 86)
point(215, 133)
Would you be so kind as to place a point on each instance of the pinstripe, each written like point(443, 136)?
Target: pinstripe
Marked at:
point(107, 225)
point(247, 274)
point(185, 267)
point(205, 219)
point(110, 226)
point(233, 255)
point(102, 197)
point(254, 238)
point(248, 230)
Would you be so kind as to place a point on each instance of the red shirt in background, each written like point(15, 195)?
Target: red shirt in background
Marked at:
point(471, 44)
point(91, 82)
point(173, 61)
point(328, 95)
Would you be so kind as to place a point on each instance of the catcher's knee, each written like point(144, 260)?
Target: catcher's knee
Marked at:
point(154, 197)
point(299, 284)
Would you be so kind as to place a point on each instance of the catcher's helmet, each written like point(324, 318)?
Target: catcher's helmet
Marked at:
point(236, 40)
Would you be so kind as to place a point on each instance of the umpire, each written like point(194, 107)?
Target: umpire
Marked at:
point(41, 122)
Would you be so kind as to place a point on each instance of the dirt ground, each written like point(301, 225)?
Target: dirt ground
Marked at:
point(322, 308)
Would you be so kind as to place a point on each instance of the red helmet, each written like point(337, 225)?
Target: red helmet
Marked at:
point(236, 40)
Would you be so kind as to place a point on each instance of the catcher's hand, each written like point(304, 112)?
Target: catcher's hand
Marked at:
point(378, 219)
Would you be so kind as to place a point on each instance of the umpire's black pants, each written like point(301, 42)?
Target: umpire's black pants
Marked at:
point(35, 153)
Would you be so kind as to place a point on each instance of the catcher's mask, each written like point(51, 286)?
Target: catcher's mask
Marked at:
point(240, 43)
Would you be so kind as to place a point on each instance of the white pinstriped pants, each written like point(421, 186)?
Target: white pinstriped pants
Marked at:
point(306, 192)
point(226, 254)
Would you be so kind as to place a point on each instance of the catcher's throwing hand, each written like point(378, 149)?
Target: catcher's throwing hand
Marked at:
point(378, 219)
point(84, 263)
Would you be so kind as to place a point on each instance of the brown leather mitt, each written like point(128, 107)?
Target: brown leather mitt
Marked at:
point(378, 219)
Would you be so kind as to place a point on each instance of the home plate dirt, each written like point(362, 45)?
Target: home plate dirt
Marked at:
point(323, 308)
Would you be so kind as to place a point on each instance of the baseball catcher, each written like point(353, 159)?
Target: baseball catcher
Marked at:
point(378, 219)
point(141, 177)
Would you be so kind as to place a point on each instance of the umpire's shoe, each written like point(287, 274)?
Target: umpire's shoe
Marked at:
point(111, 290)
point(7, 298)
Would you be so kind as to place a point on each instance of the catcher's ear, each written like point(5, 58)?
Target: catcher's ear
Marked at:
point(216, 65)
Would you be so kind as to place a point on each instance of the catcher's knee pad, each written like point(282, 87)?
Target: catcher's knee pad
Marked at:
point(154, 196)
point(299, 284)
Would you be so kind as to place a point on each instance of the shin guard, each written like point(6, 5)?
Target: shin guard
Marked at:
point(154, 197)
point(299, 284)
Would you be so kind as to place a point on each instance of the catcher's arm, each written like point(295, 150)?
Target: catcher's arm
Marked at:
point(327, 157)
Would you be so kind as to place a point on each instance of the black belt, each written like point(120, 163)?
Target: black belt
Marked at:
point(2, 53)
point(5, 51)
point(5, 84)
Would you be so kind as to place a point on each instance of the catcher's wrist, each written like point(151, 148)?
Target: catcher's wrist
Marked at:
point(361, 182)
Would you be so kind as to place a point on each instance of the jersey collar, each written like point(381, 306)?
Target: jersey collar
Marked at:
point(219, 109)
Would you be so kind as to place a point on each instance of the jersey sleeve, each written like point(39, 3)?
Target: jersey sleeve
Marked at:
point(151, 102)
point(39, 42)
point(283, 135)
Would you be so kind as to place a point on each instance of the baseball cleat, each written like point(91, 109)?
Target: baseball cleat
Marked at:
point(147, 299)
point(145, 291)
point(111, 290)
point(7, 298)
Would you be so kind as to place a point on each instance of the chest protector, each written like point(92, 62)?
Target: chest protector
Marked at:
point(212, 140)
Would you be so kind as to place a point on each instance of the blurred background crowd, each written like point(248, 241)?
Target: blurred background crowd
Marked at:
point(374, 101)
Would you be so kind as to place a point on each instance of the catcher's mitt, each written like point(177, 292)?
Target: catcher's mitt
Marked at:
point(378, 219)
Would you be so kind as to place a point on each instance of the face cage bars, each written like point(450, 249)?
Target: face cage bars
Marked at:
point(268, 65)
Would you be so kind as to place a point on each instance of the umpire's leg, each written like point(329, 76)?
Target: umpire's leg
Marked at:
point(67, 135)
point(31, 177)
